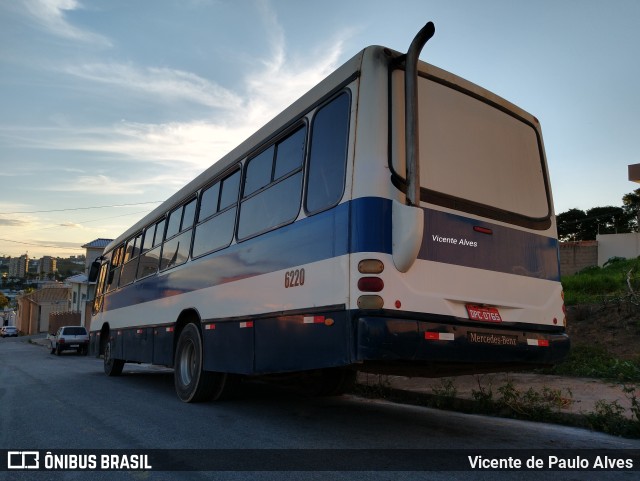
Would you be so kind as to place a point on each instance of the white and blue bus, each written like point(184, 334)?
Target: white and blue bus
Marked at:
point(394, 219)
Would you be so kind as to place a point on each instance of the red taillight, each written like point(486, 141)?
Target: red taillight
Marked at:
point(370, 284)
point(482, 230)
point(61, 340)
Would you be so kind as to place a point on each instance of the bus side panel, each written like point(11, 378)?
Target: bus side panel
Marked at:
point(228, 347)
point(298, 343)
point(163, 346)
point(138, 344)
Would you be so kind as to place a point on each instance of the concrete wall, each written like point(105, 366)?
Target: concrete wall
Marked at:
point(618, 245)
point(575, 256)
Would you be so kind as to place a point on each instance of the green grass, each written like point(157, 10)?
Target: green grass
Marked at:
point(596, 362)
point(601, 284)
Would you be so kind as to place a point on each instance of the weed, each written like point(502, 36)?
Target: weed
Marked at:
point(483, 397)
point(608, 417)
point(444, 394)
point(630, 392)
point(532, 404)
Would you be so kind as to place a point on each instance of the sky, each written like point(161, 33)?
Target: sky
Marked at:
point(108, 107)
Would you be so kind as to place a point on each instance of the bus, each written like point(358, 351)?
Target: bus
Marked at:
point(394, 219)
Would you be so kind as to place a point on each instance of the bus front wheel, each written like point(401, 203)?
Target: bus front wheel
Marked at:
point(192, 382)
point(112, 367)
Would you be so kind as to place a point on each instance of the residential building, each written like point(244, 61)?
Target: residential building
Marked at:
point(80, 290)
point(18, 266)
point(94, 250)
point(47, 265)
point(35, 307)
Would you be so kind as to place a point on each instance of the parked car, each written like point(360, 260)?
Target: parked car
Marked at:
point(9, 331)
point(70, 338)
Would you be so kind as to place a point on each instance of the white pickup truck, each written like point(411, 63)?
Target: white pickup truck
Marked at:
point(70, 338)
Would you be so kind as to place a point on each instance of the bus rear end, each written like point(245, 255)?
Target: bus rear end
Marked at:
point(468, 278)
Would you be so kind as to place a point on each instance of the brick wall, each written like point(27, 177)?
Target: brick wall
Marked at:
point(575, 256)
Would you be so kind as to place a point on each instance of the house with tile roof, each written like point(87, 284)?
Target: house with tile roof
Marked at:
point(34, 308)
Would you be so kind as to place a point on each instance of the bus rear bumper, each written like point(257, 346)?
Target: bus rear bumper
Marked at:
point(434, 349)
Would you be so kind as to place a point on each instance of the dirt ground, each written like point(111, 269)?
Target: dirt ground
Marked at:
point(614, 326)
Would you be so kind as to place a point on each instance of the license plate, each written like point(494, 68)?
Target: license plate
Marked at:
point(484, 314)
point(73, 345)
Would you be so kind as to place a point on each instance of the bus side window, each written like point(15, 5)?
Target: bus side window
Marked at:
point(149, 257)
point(173, 226)
point(326, 171)
point(217, 216)
point(100, 285)
point(158, 233)
point(278, 203)
point(209, 202)
point(131, 261)
point(114, 269)
point(230, 188)
point(188, 215)
point(147, 243)
point(175, 250)
point(258, 172)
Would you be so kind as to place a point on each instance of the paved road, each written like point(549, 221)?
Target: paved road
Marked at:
point(52, 402)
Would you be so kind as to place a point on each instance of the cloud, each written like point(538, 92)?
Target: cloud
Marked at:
point(181, 149)
point(283, 78)
point(159, 83)
point(127, 184)
point(51, 16)
point(13, 222)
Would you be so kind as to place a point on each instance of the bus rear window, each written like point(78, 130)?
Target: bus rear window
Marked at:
point(472, 150)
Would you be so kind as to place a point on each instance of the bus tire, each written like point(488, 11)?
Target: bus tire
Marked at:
point(112, 367)
point(192, 382)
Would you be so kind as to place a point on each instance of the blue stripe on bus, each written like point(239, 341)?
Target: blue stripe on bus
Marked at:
point(330, 234)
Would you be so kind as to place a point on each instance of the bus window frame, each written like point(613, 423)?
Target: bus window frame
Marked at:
point(344, 91)
point(290, 130)
point(115, 264)
point(134, 257)
point(181, 232)
point(228, 173)
point(101, 286)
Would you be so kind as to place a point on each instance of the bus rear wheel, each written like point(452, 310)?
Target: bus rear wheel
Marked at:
point(192, 382)
point(112, 367)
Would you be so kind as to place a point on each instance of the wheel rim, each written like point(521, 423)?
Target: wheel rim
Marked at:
point(107, 353)
point(188, 363)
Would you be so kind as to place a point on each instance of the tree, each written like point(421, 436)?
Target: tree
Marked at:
point(4, 302)
point(570, 225)
point(606, 220)
point(631, 206)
